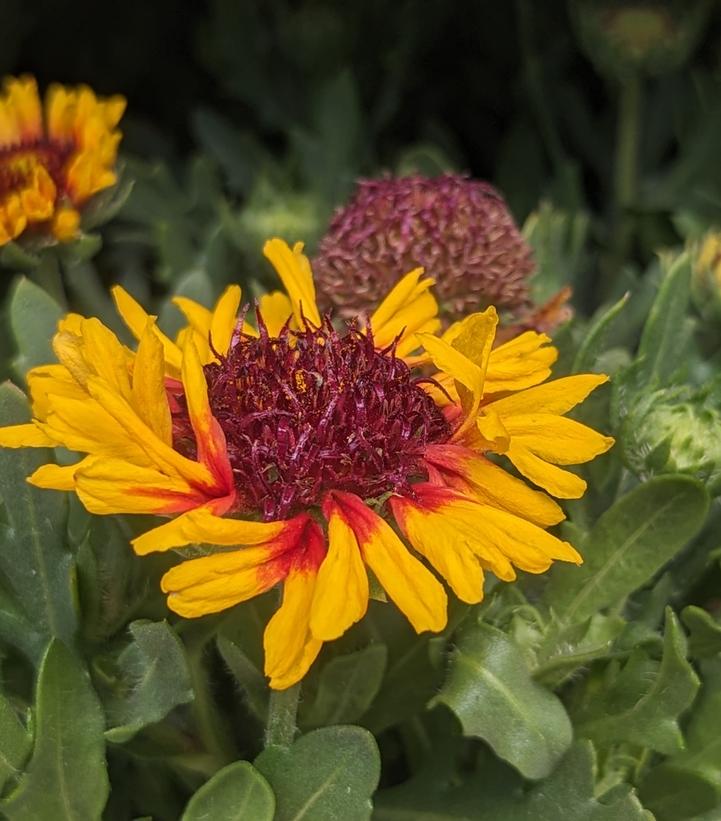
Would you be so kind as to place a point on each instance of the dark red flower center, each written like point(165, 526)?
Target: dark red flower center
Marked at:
point(18, 162)
point(316, 410)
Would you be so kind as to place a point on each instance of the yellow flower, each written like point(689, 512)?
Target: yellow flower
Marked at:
point(313, 454)
point(53, 159)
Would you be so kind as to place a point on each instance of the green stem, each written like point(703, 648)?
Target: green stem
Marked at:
point(627, 140)
point(282, 710)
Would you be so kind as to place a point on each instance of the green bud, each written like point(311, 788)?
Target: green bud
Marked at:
point(675, 430)
point(648, 36)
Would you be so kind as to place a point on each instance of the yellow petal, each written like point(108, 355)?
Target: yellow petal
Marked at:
point(407, 309)
point(493, 430)
point(491, 484)
point(25, 436)
point(136, 318)
point(558, 396)
point(294, 271)
point(214, 583)
point(413, 588)
point(276, 309)
point(149, 396)
point(557, 439)
point(223, 320)
point(520, 363)
point(341, 594)
point(199, 317)
point(558, 482)
point(55, 477)
point(290, 648)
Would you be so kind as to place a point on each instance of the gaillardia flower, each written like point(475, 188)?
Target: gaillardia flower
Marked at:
point(311, 454)
point(53, 159)
point(459, 229)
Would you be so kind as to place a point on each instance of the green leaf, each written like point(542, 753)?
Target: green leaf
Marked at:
point(630, 542)
point(248, 676)
point(33, 557)
point(66, 777)
point(15, 742)
point(238, 792)
point(491, 691)
point(325, 775)
point(660, 351)
point(34, 316)
point(689, 783)
point(705, 632)
point(643, 704)
point(156, 679)
point(595, 340)
point(347, 687)
point(566, 795)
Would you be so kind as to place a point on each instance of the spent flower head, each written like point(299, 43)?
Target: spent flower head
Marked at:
point(457, 228)
point(53, 159)
point(310, 454)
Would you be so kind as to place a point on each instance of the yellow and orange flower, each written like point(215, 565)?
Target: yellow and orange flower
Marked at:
point(313, 454)
point(53, 159)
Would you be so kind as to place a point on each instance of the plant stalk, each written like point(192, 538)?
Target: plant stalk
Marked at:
point(282, 711)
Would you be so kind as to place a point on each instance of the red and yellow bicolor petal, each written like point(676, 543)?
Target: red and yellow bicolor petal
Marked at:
point(291, 553)
point(415, 591)
point(294, 271)
point(439, 521)
point(465, 360)
point(410, 308)
point(474, 475)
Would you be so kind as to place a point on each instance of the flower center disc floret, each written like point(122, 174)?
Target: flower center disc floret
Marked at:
point(317, 410)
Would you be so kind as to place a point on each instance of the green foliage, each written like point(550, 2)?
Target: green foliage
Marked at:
point(327, 774)
point(491, 691)
point(234, 793)
point(66, 776)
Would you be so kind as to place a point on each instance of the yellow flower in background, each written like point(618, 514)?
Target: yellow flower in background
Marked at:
point(312, 454)
point(53, 158)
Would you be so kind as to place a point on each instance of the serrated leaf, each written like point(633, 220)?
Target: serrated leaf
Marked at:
point(689, 783)
point(238, 792)
point(325, 775)
point(347, 687)
point(34, 316)
point(491, 691)
point(659, 695)
point(566, 795)
point(659, 352)
point(66, 777)
point(34, 560)
point(156, 679)
point(629, 544)
point(15, 742)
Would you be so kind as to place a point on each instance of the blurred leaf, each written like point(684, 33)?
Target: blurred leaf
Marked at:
point(15, 743)
point(661, 348)
point(566, 795)
point(16, 258)
point(325, 775)
point(643, 703)
point(630, 542)
point(66, 777)
point(689, 783)
point(156, 678)
point(491, 691)
point(594, 343)
point(238, 152)
point(705, 632)
point(34, 316)
point(107, 203)
point(238, 792)
point(348, 684)
point(33, 556)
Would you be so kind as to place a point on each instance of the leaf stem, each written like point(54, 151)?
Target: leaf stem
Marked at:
point(282, 711)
